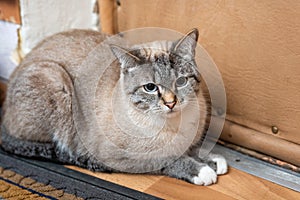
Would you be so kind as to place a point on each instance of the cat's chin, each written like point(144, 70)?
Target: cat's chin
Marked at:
point(173, 113)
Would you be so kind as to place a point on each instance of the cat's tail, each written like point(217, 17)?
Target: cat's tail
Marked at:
point(26, 148)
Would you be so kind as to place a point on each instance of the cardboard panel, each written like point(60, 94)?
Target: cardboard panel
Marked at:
point(255, 45)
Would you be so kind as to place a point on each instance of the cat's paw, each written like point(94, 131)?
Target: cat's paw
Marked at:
point(206, 176)
point(222, 166)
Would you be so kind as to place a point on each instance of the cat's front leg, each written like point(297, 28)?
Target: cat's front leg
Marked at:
point(220, 161)
point(215, 161)
point(187, 168)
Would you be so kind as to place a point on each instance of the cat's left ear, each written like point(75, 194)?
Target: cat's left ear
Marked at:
point(125, 57)
point(185, 47)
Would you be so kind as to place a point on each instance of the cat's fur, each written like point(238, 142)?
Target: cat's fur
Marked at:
point(38, 119)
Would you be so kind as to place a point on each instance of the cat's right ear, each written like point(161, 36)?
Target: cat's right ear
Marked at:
point(185, 47)
point(124, 56)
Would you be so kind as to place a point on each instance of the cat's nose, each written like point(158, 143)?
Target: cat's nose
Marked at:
point(170, 105)
point(169, 99)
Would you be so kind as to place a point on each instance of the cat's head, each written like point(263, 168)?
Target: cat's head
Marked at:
point(160, 77)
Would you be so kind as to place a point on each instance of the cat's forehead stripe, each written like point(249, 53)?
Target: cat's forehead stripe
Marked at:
point(152, 51)
point(153, 54)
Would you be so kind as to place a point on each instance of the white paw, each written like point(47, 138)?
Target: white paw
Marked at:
point(206, 176)
point(221, 165)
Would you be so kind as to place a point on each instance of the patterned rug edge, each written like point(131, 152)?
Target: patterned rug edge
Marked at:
point(28, 178)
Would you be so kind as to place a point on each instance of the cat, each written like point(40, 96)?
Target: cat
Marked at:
point(140, 105)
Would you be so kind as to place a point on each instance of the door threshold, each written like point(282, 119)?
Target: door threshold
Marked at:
point(281, 176)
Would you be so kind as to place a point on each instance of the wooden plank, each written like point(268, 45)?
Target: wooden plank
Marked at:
point(234, 185)
point(241, 185)
point(10, 11)
point(108, 16)
point(169, 188)
point(3, 88)
point(261, 142)
point(137, 182)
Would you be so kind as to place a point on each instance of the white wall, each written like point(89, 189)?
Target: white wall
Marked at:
point(8, 44)
point(39, 19)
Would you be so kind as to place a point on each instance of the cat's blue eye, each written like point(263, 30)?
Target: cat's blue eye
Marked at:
point(150, 87)
point(181, 81)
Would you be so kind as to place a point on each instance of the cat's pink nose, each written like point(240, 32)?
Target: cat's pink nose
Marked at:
point(170, 105)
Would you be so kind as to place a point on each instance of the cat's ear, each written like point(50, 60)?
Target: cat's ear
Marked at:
point(124, 56)
point(185, 47)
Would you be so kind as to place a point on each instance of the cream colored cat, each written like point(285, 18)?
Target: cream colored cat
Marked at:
point(149, 108)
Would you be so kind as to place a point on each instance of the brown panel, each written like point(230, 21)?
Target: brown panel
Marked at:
point(9, 11)
point(255, 45)
point(2, 92)
point(108, 16)
point(162, 13)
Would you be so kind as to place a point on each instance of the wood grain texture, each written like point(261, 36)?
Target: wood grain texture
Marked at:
point(10, 11)
point(234, 185)
point(3, 88)
point(138, 182)
point(168, 188)
point(108, 16)
point(261, 142)
point(241, 185)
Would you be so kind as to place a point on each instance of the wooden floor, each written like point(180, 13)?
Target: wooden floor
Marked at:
point(234, 185)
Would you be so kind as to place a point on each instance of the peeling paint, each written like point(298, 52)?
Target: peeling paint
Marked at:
point(41, 18)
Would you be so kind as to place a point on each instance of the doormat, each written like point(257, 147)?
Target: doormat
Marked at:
point(22, 178)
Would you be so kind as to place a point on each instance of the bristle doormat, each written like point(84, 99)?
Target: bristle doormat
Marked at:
point(22, 178)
